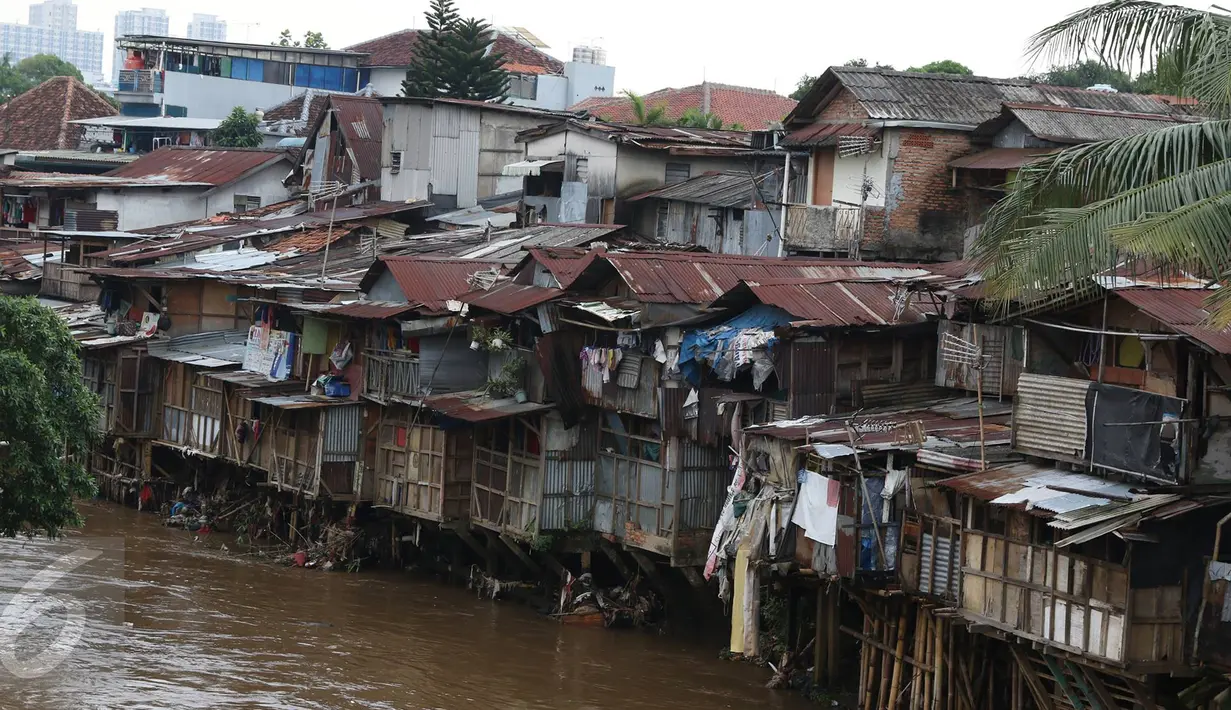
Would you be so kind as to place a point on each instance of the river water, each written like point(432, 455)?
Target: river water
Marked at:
point(192, 626)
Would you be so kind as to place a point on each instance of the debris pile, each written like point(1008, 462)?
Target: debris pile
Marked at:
point(626, 605)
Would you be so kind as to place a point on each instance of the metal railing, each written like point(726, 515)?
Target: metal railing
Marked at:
point(389, 374)
point(140, 81)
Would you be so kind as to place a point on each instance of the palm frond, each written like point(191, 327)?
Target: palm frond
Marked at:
point(1054, 228)
point(1195, 231)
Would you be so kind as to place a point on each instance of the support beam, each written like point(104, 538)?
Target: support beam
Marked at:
point(464, 535)
point(1058, 673)
point(1141, 694)
point(651, 570)
point(1041, 697)
point(521, 555)
point(1079, 680)
point(1099, 689)
point(693, 576)
point(613, 554)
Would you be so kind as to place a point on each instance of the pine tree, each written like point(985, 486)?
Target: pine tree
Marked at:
point(428, 68)
point(476, 73)
point(452, 59)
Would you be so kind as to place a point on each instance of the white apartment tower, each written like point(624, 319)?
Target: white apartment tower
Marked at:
point(207, 27)
point(146, 21)
point(53, 30)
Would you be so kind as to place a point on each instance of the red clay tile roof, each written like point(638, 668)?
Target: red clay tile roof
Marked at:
point(397, 48)
point(292, 110)
point(751, 108)
point(40, 118)
point(215, 166)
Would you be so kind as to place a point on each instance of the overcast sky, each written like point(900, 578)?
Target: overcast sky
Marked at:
point(658, 43)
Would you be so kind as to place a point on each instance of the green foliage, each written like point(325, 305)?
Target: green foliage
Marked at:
point(1085, 74)
point(644, 115)
point(311, 40)
point(804, 85)
point(693, 118)
point(1159, 197)
point(17, 79)
point(943, 66)
point(452, 59)
point(46, 411)
point(860, 62)
point(237, 130)
point(509, 379)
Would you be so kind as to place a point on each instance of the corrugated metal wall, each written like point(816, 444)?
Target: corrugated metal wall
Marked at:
point(343, 427)
point(446, 148)
point(1005, 351)
point(460, 368)
point(701, 483)
point(468, 159)
point(1049, 416)
point(812, 378)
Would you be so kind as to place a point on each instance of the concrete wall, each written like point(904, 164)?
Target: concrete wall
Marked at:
point(215, 96)
point(848, 177)
point(925, 218)
point(387, 81)
point(586, 80)
point(386, 288)
point(551, 93)
point(139, 208)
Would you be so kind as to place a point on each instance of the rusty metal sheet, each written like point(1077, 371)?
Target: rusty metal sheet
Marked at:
point(818, 135)
point(509, 298)
point(716, 189)
point(428, 283)
point(1001, 158)
point(363, 125)
point(475, 406)
point(1182, 309)
point(211, 166)
point(366, 310)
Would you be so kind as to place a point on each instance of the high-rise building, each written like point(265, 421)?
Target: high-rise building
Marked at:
point(207, 27)
point(146, 21)
point(53, 30)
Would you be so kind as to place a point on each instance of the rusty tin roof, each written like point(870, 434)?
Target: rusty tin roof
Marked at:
point(428, 283)
point(1182, 309)
point(476, 406)
point(509, 298)
point(211, 166)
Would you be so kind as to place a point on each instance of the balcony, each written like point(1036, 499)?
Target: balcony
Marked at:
point(823, 228)
point(389, 375)
point(139, 81)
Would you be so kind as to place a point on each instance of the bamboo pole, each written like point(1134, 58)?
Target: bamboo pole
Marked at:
point(819, 648)
point(938, 675)
point(835, 611)
point(889, 635)
point(916, 682)
point(864, 652)
point(929, 657)
point(871, 670)
point(895, 684)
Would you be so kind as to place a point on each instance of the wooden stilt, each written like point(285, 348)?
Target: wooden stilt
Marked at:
point(929, 657)
point(819, 646)
point(916, 677)
point(938, 675)
point(864, 649)
point(886, 665)
point(895, 683)
point(834, 613)
point(873, 658)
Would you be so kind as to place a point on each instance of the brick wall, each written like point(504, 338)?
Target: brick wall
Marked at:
point(926, 218)
point(843, 107)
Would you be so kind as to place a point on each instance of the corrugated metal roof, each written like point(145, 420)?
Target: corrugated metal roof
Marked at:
point(1182, 309)
point(719, 189)
point(214, 349)
point(955, 99)
point(363, 126)
point(509, 298)
point(476, 406)
point(302, 401)
point(1062, 124)
point(73, 181)
point(365, 310)
point(1000, 158)
point(700, 278)
point(428, 283)
point(211, 166)
point(510, 246)
point(828, 302)
point(255, 380)
point(947, 424)
point(819, 135)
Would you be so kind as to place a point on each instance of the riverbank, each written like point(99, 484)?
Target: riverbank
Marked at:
point(215, 630)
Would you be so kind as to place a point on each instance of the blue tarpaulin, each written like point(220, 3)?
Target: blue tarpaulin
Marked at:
point(712, 344)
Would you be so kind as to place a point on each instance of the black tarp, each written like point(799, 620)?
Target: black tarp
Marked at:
point(1127, 433)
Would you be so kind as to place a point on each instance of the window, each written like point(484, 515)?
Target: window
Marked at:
point(523, 86)
point(677, 172)
point(664, 209)
point(583, 169)
point(395, 162)
point(243, 203)
point(176, 111)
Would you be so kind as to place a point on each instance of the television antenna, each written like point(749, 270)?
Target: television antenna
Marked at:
point(960, 351)
point(319, 192)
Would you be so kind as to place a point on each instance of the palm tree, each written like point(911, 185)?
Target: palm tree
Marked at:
point(1162, 197)
point(645, 116)
point(693, 118)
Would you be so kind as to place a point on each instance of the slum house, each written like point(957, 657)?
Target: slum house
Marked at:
point(238, 179)
point(342, 152)
point(41, 118)
point(662, 460)
point(881, 143)
point(724, 212)
point(287, 124)
point(583, 171)
point(452, 152)
point(475, 409)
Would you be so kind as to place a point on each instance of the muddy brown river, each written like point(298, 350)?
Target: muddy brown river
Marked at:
point(187, 625)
